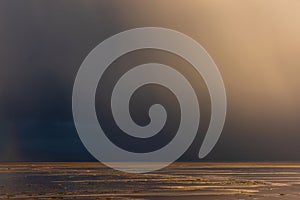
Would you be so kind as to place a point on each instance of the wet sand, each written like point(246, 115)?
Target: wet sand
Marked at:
point(178, 181)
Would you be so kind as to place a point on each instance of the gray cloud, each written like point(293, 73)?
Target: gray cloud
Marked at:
point(255, 45)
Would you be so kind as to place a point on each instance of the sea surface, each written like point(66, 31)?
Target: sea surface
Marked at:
point(180, 181)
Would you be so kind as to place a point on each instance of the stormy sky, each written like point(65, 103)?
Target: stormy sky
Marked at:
point(255, 44)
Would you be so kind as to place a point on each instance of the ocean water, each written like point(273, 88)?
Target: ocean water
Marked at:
point(199, 180)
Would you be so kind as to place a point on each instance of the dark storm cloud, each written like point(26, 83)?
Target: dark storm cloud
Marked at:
point(42, 44)
point(42, 47)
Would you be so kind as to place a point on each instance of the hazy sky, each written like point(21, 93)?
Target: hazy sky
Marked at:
point(255, 44)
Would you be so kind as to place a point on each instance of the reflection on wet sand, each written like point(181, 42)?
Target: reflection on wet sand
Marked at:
point(178, 181)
